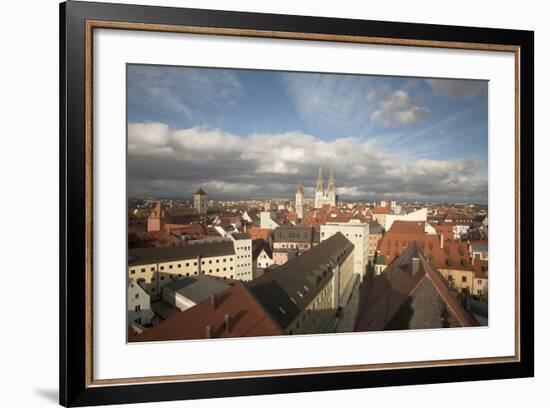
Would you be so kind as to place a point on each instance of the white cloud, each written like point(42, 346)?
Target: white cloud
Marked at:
point(397, 109)
point(397, 100)
point(267, 165)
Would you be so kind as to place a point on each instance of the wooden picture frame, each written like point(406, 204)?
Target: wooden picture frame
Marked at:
point(78, 20)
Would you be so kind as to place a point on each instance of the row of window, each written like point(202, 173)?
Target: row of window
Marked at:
point(464, 279)
point(187, 264)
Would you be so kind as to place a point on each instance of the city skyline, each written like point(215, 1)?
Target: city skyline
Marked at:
point(243, 134)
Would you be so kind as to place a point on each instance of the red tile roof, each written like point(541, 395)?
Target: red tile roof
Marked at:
point(450, 255)
point(194, 231)
point(408, 227)
point(481, 269)
point(256, 233)
point(397, 284)
point(152, 239)
point(246, 318)
point(381, 210)
point(446, 230)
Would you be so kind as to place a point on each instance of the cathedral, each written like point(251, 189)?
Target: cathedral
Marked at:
point(322, 196)
point(328, 196)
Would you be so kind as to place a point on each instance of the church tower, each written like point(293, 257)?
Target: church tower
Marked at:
point(319, 190)
point(300, 202)
point(200, 204)
point(331, 193)
point(157, 218)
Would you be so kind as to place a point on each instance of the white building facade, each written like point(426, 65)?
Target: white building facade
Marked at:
point(139, 304)
point(389, 219)
point(358, 234)
point(243, 256)
point(267, 220)
point(265, 259)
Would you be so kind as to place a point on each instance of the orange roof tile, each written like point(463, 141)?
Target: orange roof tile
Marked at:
point(247, 318)
point(381, 210)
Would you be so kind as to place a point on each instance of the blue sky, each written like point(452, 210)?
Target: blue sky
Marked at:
point(246, 133)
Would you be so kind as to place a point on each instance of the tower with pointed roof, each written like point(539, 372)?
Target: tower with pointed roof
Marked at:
point(328, 196)
point(200, 202)
point(319, 189)
point(157, 218)
point(331, 188)
point(300, 201)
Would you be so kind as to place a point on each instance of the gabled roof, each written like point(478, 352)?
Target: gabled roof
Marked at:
point(259, 245)
point(246, 318)
point(441, 254)
point(158, 211)
point(408, 227)
point(403, 297)
point(286, 290)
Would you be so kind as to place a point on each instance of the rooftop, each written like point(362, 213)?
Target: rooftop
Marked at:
point(408, 227)
point(289, 288)
point(240, 235)
point(295, 234)
point(382, 210)
point(375, 228)
point(142, 256)
point(196, 288)
point(411, 294)
point(233, 312)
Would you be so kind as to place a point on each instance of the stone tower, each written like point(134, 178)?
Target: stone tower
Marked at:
point(200, 202)
point(319, 190)
point(328, 196)
point(300, 202)
point(331, 188)
point(157, 218)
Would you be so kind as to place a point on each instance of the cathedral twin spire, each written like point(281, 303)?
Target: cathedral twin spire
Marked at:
point(323, 197)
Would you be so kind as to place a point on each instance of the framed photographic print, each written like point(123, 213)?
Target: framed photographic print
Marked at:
point(256, 204)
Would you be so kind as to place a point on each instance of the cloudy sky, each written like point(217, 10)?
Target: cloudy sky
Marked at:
point(257, 134)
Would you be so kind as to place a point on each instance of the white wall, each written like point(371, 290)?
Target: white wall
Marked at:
point(29, 168)
point(243, 259)
point(418, 215)
point(358, 234)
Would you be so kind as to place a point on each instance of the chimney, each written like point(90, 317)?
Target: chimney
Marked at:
point(209, 330)
point(214, 301)
point(441, 241)
point(415, 266)
point(227, 320)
